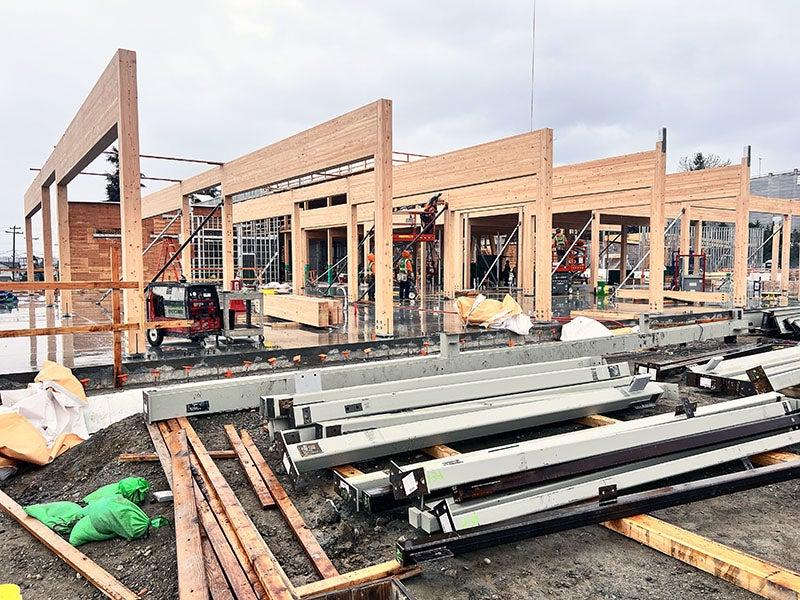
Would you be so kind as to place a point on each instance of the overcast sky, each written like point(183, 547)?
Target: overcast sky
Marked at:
point(219, 79)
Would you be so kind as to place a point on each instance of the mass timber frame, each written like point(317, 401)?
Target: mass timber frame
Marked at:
point(110, 112)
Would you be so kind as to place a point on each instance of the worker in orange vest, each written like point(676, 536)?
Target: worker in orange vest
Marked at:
point(370, 277)
point(405, 273)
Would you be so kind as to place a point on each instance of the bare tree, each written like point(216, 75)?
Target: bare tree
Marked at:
point(699, 161)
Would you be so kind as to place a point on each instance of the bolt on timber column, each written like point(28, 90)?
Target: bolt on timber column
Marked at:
point(384, 317)
point(657, 217)
point(47, 242)
point(742, 234)
point(64, 249)
point(543, 259)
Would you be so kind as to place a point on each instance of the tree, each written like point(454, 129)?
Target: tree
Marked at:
point(700, 161)
point(112, 179)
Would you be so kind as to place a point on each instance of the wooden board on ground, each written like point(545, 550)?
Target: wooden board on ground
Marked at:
point(316, 312)
point(310, 545)
point(153, 457)
point(90, 570)
point(680, 295)
point(250, 470)
point(390, 568)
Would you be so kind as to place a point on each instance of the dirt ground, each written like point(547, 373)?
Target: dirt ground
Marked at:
point(590, 562)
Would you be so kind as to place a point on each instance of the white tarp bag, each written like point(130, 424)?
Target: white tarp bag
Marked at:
point(583, 328)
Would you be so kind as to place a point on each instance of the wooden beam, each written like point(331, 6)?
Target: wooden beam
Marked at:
point(36, 286)
point(130, 195)
point(64, 247)
point(526, 248)
point(741, 236)
point(384, 570)
point(698, 243)
point(466, 258)
point(384, 269)
point(786, 237)
point(322, 564)
point(685, 237)
point(228, 273)
point(299, 309)
point(623, 251)
point(188, 545)
point(88, 569)
point(47, 243)
point(299, 252)
point(268, 571)
point(29, 262)
point(543, 304)
point(594, 249)
point(250, 470)
point(116, 316)
point(352, 251)
point(96, 328)
point(215, 576)
point(153, 457)
point(657, 217)
point(776, 241)
point(440, 451)
point(186, 231)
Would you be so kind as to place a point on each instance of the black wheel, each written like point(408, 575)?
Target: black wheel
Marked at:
point(155, 337)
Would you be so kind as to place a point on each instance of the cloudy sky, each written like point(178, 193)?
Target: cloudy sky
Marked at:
point(218, 79)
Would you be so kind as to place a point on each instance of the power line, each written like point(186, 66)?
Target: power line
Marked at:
point(14, 230)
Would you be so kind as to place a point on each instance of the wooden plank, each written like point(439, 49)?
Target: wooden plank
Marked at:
point(758, 576)
point(93, 328)
point(90, 570)
point(347, 470)
point(215, 577)
point(152, 457)
point(300, 309)
point(440, 451)
point(253, 476)
point(267, 569)
point(680, 295)
point(304, 535)
point(390, 568)
point(188, 545)
point(162, 452)
point(37, 286)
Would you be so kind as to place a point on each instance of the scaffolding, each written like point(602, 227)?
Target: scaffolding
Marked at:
point(257, 250)
point(207, 249)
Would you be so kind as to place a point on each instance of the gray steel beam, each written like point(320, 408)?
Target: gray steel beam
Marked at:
point(441, 474)
point(329, 452)
point(449, 394)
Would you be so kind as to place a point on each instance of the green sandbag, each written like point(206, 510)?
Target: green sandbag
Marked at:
point(133, 488)
point(58, 516)
point(110, 517)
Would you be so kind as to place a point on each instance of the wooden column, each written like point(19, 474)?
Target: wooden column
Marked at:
point(657, 217)
point(623, 251)
point(64, 249)
point(544, 225)
point(299, 252)
point(422, 269)
point(186, 231)
point(116, 317)
point(776, 240)
point(352, 252)
point(467, 257)
point(526, 254)
point(685, 239)
point(786, 240)
point(594, 249)
point(228, 273)
point(742, 235)
point(30, 266)
point(384, 318)
point(130, 196)
point(698, 243)
point(449, 244)
point(47, 242)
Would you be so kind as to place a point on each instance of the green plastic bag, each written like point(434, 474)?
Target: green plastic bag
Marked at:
point(58, 516)
point(133, 488)
point(111, 517)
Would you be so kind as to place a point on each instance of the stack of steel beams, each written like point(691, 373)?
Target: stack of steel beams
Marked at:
point(660, 369)
point(784, 320)
point(320, 430)
point(732, 376)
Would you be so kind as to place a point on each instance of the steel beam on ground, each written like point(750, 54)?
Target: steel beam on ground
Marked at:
point(458, 517)
point(448, 394)
point(534, 461)
point(329, 452)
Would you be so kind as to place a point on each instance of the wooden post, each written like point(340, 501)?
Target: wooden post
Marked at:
point(657, 216)
point(449, 243)
point(47, 242)
point(352, 252)
point(698, 244)
point(116, 316)
point(130, 196)
point(466, 259)
point(623, 251)
point(786, 240)
point(544, 226)
point(30, 266)
point(594, 249)
point(422, 266)
point(64, 249)
point(526, 251)
point(299, 252)
point(228, 273)
point(776, 240)
point(186, 231)
point(742, 235)
point(685, 239)
point(384, 318)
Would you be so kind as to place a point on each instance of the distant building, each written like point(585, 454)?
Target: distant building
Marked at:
point(775, 185)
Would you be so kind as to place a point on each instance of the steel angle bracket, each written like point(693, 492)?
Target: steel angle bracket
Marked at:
point(687, 408)
point(758, 377)
point(407, 484)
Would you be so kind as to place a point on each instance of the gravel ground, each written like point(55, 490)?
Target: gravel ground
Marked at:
point(590, 562)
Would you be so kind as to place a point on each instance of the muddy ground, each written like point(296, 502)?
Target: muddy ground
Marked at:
point(590, 562)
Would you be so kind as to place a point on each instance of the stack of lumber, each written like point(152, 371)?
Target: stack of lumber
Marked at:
point(316, 312)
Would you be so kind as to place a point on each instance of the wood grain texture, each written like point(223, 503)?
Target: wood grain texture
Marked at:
point(657, 226)
point(390, 568)
point(741, 237)
point(297, 524)
point(90, 570)
point(250, 470)
point(153, 457)
point(215, 577)
point(64, 247)
point(384, 182)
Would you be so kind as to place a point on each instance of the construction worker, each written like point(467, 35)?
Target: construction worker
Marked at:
point(370, 276)
point(429, 213)
point(560, 242)
point(405, 273)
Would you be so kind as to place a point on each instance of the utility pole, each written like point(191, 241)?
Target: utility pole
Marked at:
point(14, 230)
